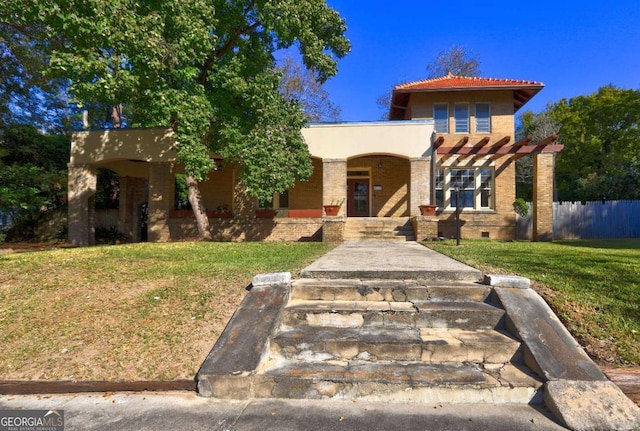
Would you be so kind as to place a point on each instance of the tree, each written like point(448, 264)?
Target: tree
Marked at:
point(600, 132)
point(204, 67)
point(33, 176)
point(457, 60)
point(301, 85)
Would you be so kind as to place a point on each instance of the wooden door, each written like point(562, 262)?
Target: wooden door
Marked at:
point(358, 197)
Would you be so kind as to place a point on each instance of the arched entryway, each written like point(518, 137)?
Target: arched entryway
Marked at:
point(378, 185)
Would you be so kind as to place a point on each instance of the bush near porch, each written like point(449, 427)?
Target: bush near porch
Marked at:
point(128, 312)
point(592, 285)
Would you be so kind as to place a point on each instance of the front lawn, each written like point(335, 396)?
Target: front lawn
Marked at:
point(130, 312)
point(593, 286)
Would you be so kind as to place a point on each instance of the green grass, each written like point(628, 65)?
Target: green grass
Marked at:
point(130, 312)
point(593, 286)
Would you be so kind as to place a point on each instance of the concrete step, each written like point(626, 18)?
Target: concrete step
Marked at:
point(378, 229)
point(384, 236)
point(430, 345)
point(421, 314)
point(388, 381)
point(387, 290)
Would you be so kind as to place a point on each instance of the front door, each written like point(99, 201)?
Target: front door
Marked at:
point(358, 197)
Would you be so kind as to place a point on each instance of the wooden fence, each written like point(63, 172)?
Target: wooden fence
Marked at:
point(576, 220)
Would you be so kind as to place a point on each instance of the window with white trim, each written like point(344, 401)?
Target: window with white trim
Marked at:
point(475, 188)
point(441, 117)
point(483, 118)
point(461, 117)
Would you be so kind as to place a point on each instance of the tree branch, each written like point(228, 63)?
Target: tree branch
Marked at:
point(216, 54)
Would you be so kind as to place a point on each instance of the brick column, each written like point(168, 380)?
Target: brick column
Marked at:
point(543, 174)
point(81, 195)
point(161, 191)
point(334, 183)
point(420, 187)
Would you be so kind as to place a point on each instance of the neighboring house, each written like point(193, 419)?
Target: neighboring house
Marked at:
point(448, 132)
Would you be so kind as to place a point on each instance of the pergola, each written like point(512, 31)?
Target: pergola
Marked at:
point(494, 150)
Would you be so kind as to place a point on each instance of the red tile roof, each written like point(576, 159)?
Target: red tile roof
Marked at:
point(452, 82)
point(522, 90)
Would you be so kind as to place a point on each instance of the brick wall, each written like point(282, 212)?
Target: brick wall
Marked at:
point(334, 179)
point(252, 229)
point(308, 194)
point(543, 167)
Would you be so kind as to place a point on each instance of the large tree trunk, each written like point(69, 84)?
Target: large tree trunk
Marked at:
point(199, 211)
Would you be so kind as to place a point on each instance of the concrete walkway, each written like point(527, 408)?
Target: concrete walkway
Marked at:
point(388, 260)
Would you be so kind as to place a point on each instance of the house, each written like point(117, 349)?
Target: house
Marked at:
point(449, 142)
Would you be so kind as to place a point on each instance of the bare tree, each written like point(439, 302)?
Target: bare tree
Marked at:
point(302, 85)
point(457, 60)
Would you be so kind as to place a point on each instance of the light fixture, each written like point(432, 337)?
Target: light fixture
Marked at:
point(380, 165)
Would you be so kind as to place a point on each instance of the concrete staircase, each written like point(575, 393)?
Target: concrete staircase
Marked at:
point(386, 340)
point(378, 229)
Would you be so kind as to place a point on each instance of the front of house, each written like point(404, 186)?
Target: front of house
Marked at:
point(448, 137)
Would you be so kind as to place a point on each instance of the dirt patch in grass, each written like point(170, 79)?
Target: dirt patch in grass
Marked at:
point(125, 313)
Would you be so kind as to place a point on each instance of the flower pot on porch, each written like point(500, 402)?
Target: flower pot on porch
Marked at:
point(265, 213)
point(428, 210)
point(331, 210)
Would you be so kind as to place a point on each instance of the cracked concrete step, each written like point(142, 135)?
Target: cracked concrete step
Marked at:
point(432, 345)
point(383, 381)
point(387, 290)
point(422, 314)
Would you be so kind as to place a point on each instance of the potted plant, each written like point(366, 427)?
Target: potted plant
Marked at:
point(428, 210)
point(333, 208)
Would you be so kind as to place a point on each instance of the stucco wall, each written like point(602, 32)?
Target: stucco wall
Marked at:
point(345, 140)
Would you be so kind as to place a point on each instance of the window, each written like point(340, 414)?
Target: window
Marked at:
point(440, 188)
point(461, 117)
point(462, 180)
point(475, 188)
point(483, 118)
point(441, 117)
point(486, 188)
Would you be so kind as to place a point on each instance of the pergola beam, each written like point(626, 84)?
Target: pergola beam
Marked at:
point(507, 149)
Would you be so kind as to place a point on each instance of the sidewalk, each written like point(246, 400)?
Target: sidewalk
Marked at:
point(184, 411)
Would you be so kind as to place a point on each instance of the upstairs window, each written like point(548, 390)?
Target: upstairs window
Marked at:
point(461, 117)
point(441, 117)
point(483, 118)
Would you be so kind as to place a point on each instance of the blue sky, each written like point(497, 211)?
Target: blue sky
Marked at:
point(573, 47)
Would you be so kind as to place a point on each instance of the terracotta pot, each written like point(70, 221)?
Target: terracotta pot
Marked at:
point(428, 210)
point(331, 210)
